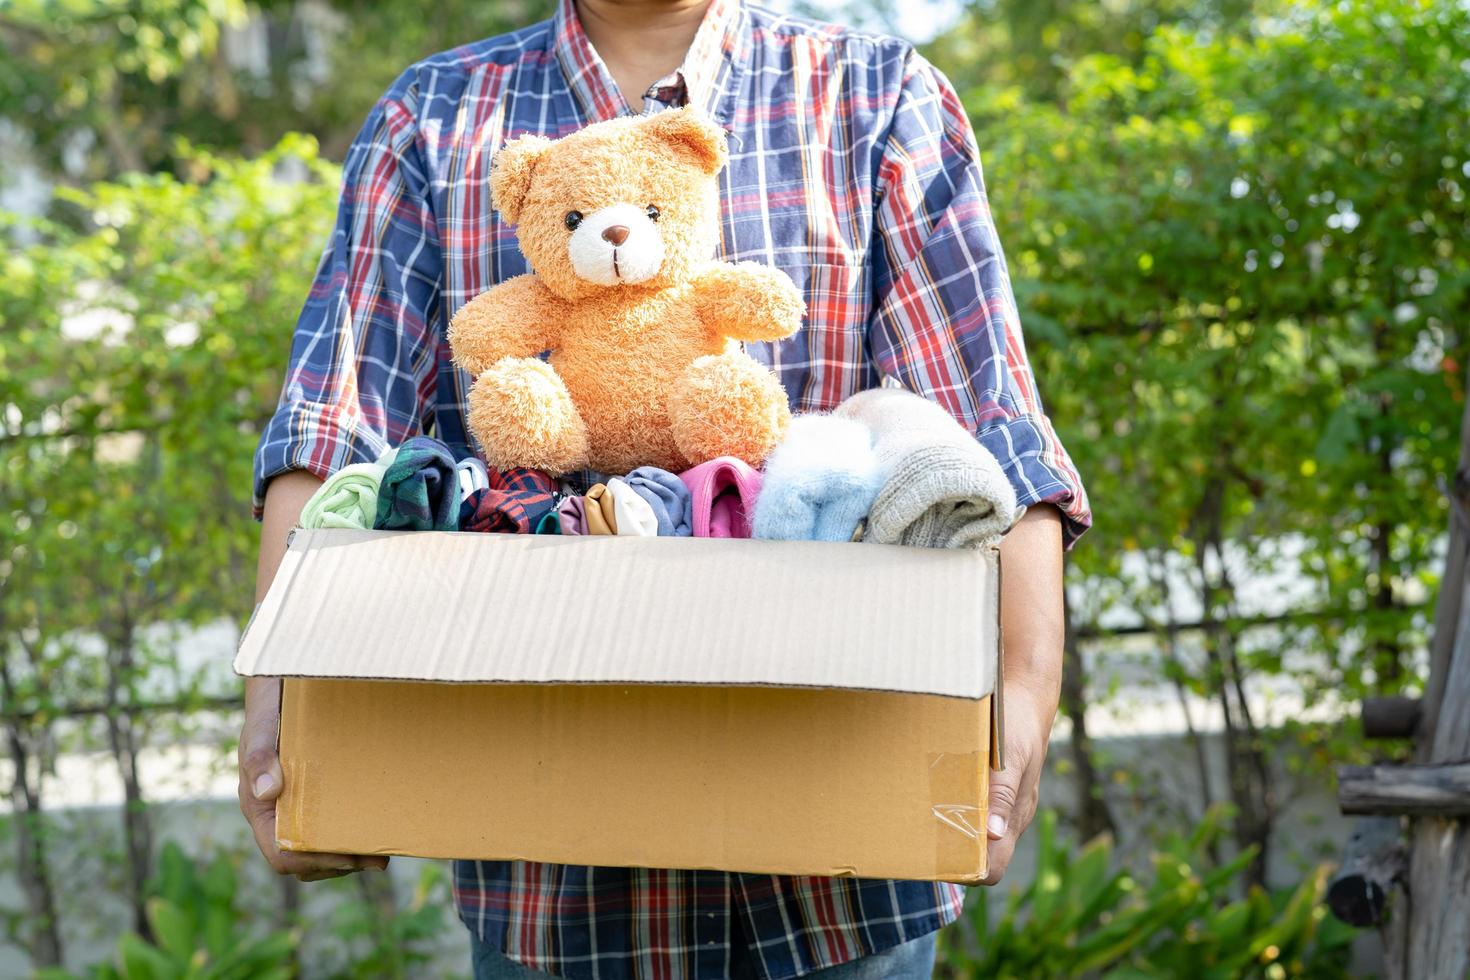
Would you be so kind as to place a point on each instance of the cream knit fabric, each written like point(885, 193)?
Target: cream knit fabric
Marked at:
point(633, 514)
point(941, 488)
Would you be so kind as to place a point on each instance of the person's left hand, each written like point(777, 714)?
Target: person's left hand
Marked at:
point(1014, 790)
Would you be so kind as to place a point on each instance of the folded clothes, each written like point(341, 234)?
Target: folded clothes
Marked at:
point(634, 517)
point(722, 493)
point(349, 498)
point(473, 475)
point(420, 489)
point(571, 515)
point(667, 496)
point(597, 510)
point(941, 488)
point(514, 502)
point(818, 482)
point(550, 523)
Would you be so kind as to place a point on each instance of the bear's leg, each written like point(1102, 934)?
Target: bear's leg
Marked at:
point(522, 415)
point(727, 405)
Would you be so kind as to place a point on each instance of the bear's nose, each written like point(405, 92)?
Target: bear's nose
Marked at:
point(617, 234)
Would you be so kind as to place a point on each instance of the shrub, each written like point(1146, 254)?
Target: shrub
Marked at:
point(1082, 916)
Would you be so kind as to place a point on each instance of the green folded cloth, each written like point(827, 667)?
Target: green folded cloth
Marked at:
point(420, 489)
point(349, 498)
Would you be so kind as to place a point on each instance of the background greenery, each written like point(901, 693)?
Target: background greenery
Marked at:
point(1236, 231)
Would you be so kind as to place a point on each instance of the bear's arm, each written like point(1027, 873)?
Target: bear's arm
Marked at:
point(515, 318)
point(748, 301)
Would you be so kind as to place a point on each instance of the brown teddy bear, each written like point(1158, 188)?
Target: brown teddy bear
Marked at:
point(619, 222)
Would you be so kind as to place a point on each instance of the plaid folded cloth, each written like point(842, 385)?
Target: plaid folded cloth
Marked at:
point(420, 489)
point(515, 502)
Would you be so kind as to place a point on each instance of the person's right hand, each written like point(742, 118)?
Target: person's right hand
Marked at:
point(261, 782)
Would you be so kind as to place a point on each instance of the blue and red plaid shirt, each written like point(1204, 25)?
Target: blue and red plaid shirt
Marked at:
point(853, 168)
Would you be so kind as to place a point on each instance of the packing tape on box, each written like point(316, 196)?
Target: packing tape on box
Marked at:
point(960, 825)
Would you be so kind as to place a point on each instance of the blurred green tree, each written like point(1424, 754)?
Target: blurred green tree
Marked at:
point(1236, 231)
point(1034, 45)
point(1237, 260)
point(105, 87)
point(140, 362)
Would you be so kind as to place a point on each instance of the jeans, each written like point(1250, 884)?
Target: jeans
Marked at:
point(913, 960)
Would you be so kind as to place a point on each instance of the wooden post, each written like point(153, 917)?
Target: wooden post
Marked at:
point(1437, 790)
point(1438, 940)
point(1426, 931)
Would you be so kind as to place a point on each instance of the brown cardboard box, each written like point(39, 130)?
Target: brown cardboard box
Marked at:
point(779, 707)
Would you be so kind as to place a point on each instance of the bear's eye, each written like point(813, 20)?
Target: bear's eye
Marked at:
point(652, 212)
point(574, 218)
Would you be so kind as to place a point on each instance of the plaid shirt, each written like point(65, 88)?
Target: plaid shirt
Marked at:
point(854, 169)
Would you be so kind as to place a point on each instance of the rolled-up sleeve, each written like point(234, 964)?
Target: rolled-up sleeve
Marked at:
point(945, 323)
point(363, 355)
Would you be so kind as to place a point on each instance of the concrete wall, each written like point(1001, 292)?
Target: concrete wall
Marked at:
point(1163, 792)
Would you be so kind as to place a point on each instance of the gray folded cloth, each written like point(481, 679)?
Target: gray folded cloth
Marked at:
point(941, 488)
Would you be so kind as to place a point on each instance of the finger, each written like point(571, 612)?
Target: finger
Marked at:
point(1005, 791)
point(262, 818)
point(321, 875)
point(1002, 849)
point(998, 860)
point(372, 862)
point(260, 765)
point(328, 870)
point(1013, 800)
point(261, 783)
point(308, 862)
point(332, 865)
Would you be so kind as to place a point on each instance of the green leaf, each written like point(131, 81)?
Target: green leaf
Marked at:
point(172, 927)
point(139, 961)
point(1340, 435)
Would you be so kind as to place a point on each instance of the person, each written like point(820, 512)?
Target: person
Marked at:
point(854, 169)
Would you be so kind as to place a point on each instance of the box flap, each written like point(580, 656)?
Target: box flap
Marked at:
point(458, 607)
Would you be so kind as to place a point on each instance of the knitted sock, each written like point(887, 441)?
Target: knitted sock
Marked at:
point(723, 493)
point(941, 488)
point(515, 502)
point(634, 516)
point(349, 498)
point(420, 489)
point(667, 496)
point(818, 482)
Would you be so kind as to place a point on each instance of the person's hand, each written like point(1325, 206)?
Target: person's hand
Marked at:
point(1031, 620)
point(1014, 790)
point(261, 783)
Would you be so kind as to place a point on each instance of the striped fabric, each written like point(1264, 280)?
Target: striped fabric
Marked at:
point(854, 169)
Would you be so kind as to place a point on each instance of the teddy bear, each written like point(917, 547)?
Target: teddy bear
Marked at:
point(619, 222)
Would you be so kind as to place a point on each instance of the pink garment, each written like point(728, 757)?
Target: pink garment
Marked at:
point(569, 514)
point(723, 492)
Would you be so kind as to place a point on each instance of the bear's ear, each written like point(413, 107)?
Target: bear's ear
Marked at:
point(511, 171)
point(693, 138)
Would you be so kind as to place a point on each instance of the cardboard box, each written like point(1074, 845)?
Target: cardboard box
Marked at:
point(775, 707)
